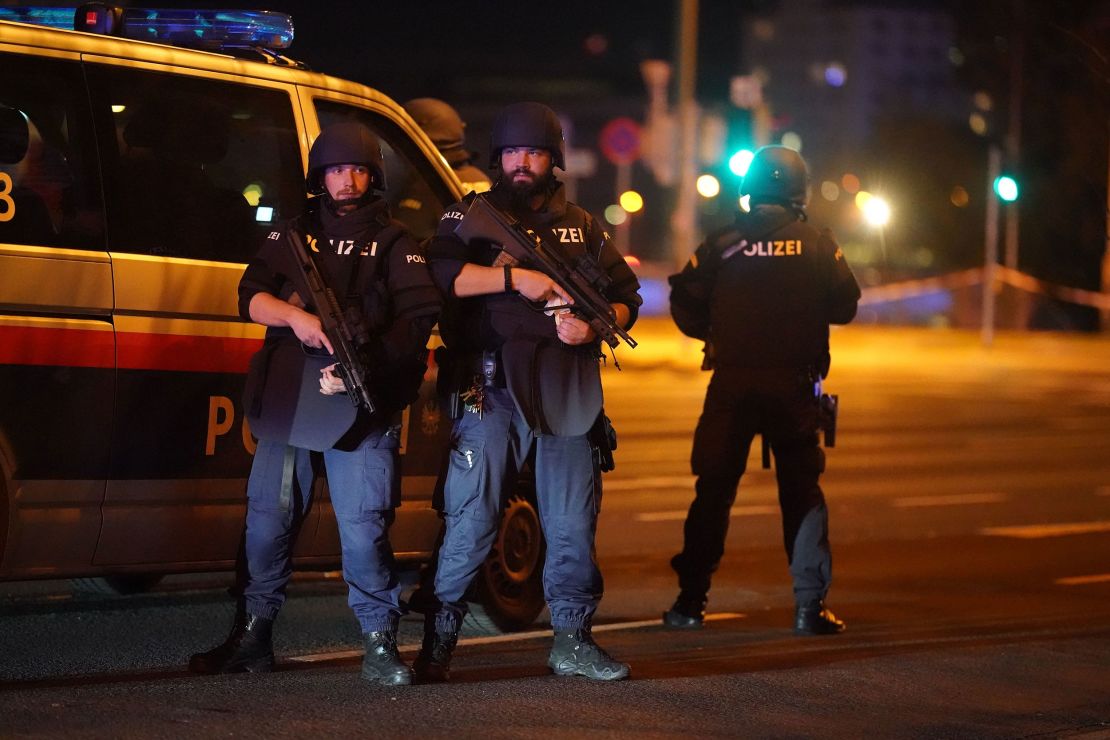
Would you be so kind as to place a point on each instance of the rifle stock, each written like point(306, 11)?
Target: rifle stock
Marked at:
point(582, 279)
point(342, 336)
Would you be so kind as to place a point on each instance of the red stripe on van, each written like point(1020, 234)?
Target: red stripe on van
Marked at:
point(52, 346)
point(32, 345)
point(185, 353)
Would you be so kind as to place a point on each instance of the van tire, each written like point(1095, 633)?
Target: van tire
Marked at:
point(508, 589)
point(120, 584)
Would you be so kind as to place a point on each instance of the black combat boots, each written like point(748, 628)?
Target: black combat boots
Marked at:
point(574, 653)
point(382, 663)
point(688, 612)
point(433, 664)
point(248, 648)
point(814, 619)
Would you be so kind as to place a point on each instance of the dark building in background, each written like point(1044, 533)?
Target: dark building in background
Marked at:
point(904, 95)
point(870, 93)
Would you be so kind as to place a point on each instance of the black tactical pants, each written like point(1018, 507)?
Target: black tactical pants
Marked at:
point(739, 404)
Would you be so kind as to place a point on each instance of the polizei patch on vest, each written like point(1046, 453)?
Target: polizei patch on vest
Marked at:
point(768, 248)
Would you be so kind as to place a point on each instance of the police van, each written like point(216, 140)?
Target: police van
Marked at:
point(136, 179)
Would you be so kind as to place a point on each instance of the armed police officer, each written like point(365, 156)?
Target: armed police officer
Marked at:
point(417, 205)
point(447, 130)
point(531, 388)
point(298, 408)
point(762, 295)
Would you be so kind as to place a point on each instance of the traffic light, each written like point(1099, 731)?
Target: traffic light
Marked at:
point(740, 149)
point(739, 162)
point(1006, 188)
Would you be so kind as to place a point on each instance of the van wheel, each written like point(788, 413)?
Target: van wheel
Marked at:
point(509, 587)
point(117, 585)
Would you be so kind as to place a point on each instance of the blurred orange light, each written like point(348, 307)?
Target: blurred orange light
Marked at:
point(850, 183)
point(978, 123)
point(959, 197)
point(632, 260)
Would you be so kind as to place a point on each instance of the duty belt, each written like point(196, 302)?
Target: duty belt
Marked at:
point(487, 365)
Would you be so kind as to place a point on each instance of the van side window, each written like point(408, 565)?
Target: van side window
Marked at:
point(193, 167)
point(49, 191)
point(416, 194)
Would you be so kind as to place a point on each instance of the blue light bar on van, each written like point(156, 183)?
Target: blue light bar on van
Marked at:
point(205, 29)
point(39, 16)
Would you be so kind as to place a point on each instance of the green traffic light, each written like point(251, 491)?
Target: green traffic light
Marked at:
point(739, 162)
point(1006, 188)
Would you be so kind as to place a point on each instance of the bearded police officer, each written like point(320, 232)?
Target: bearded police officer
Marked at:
point(299, 411)
point(532, 388)
point(762, 295)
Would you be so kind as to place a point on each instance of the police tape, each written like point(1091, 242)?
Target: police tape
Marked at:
point(1020, 280)
point(908, 289)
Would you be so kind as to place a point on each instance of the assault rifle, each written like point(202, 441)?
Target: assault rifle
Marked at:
point(346, 331)
point(582, 279)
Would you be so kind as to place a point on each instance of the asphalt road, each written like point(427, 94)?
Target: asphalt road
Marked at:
point(969, 496)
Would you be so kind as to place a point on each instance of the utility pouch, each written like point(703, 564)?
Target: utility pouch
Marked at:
point(489, 367)
point(827, 409)
point(603, 439)
point(449, 381)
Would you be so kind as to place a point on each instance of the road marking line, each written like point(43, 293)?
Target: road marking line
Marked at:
point(514, 637)
point(954, 500)
point(1083, 580)
point(673, 516)
point(1038, 531)
point(634, 484)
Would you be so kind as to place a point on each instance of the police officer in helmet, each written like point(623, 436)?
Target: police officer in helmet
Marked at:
point(532, 386)
point(447, 130)
point(417, 206)
point(762, 294)
point(298, 408)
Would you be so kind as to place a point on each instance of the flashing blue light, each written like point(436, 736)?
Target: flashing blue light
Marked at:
point(205, 29)
point(40, 16)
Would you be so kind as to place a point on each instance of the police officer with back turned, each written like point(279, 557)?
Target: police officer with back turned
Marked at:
point(531, 388)
point(762, 295)
point(298, 408)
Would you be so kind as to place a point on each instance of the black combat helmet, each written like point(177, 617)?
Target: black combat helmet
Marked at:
point(440, 122)
point(776, 174)
point(527, 125)
point(347, 142)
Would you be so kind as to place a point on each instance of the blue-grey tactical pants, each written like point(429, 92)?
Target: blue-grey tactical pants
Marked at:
point(362, 485)
point(740, 403)
point(487, 453)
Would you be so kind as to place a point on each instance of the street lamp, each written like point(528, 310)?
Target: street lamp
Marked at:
point(876, 211)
